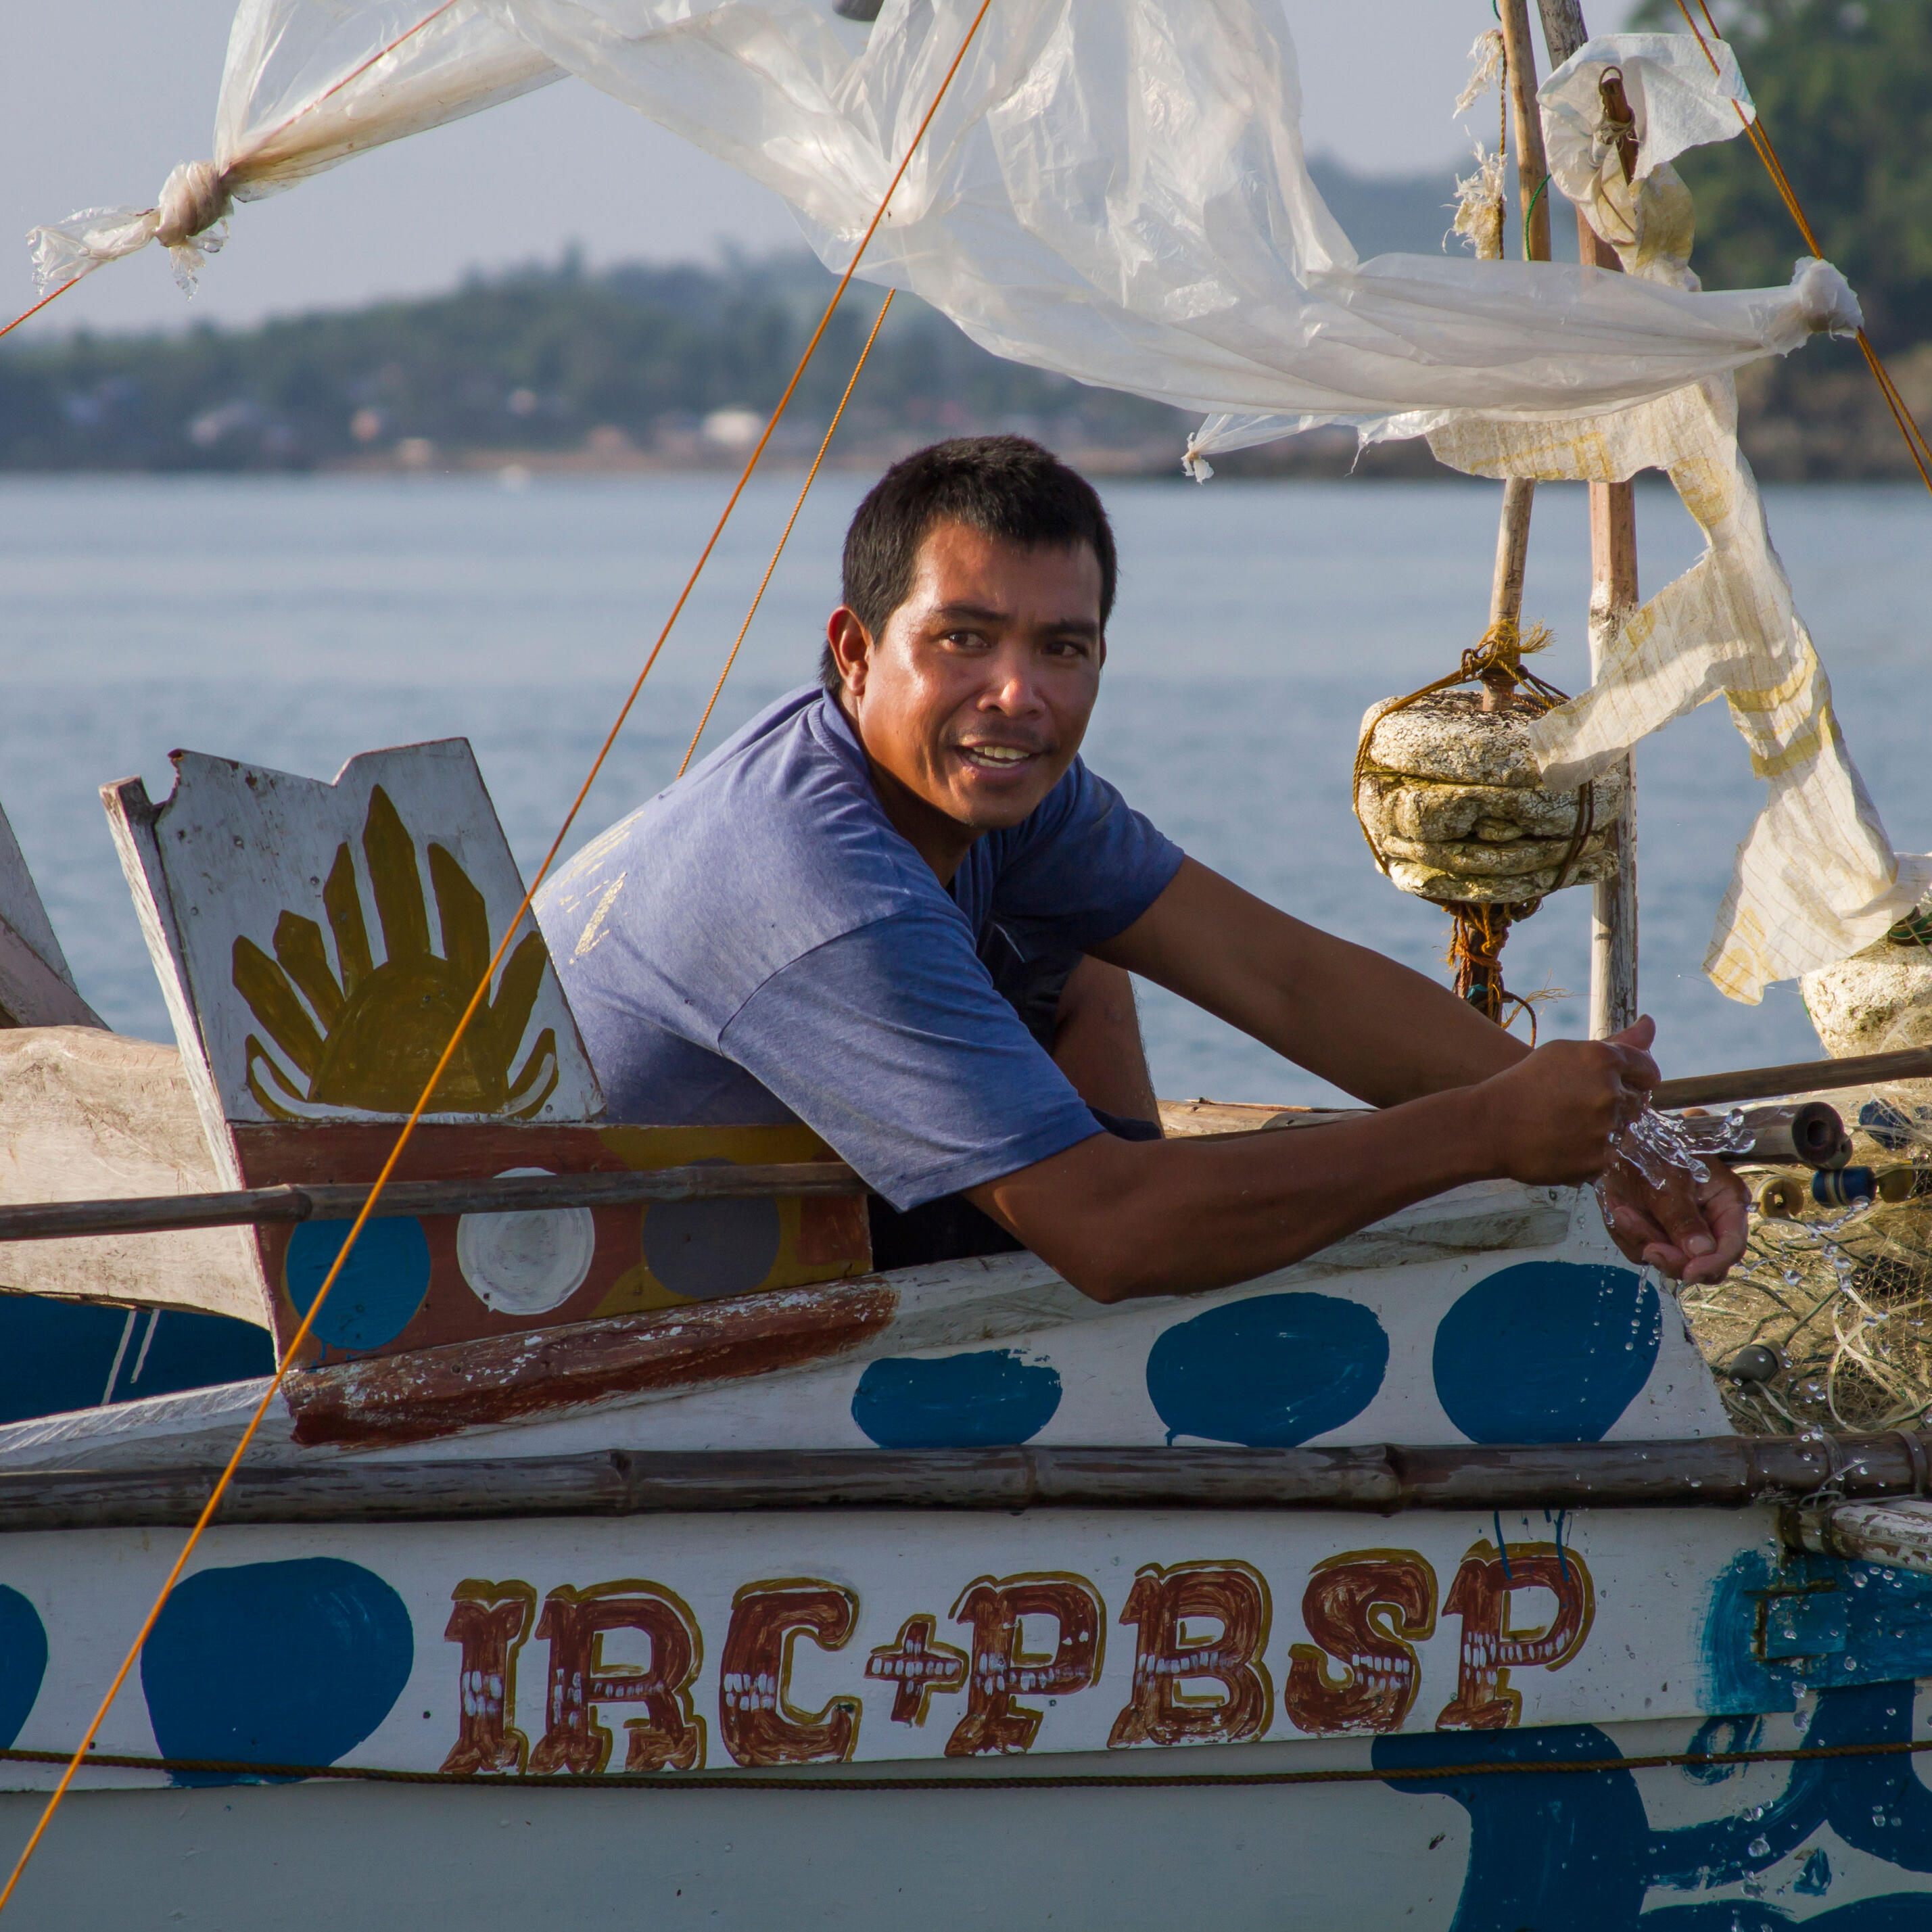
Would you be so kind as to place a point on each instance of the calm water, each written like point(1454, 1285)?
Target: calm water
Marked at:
point(294, 622)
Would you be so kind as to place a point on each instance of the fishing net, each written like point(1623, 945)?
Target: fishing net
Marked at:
point(1841, 1292)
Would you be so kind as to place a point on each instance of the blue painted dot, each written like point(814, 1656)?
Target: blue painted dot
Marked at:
point(1546, 1351)
point(292, 1663)
point(382, 1283)
point(1268, 1372)
point(987, 1400)
point(23, 1662)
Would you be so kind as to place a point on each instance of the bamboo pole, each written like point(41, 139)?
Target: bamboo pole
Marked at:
point(1804, 1076)
point(1519, 492)
point(60, 1220)
point(523, 1194)
point(1532, 167)
point(1708, 1472)
point(1613, 595)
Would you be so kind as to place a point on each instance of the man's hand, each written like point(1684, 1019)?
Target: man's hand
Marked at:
point(1692, 1230)
point(1551, 1117)
point(1555, 1114)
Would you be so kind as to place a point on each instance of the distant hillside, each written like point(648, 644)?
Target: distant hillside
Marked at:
point(557, 366)
point(647, 366)
point(542, 363)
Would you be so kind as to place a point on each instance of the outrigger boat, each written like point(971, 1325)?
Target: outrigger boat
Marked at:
point(621, 1545)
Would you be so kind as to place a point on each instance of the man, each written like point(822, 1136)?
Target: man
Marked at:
point(901, 909)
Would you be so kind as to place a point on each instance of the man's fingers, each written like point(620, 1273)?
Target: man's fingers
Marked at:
point(1726, 1212)
point(1637, 1068)
point(1682, 1217)
point(1634, 1231)
point(1640, 1033)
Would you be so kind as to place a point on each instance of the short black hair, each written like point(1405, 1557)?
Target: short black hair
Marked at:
point(1002, 486)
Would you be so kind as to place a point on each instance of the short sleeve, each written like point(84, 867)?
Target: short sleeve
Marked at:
point(891, 1043)
point(1086, 865)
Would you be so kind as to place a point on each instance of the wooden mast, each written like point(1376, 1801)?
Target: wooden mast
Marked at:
point(1519, 492)
point(1613, 596)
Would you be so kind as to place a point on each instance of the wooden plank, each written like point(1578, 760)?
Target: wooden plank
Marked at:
point(451, 1276)
point(131, 822)
point(426, 1393)
point(1718, 1472)
point(1214, 1119)
point(84, 1113)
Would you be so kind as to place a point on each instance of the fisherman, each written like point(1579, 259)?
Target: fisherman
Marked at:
point(898, 907)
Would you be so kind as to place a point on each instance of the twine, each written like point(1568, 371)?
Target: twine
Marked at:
point(1124, 1780)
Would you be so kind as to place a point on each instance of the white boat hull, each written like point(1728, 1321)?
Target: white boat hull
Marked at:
point(1558, 1853)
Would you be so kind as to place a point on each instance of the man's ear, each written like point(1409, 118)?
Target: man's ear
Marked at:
point(850, 645)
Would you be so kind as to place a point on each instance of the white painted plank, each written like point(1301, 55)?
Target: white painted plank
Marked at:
point(236, 850)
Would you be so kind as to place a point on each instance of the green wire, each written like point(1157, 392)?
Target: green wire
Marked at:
point(1530, 210)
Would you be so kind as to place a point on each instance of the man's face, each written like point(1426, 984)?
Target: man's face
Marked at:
point(975, 699)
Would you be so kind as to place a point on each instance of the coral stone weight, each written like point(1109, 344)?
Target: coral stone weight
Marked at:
point(1450, 795)
point(1876, 1001)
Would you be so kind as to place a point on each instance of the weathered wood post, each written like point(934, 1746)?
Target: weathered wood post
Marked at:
point(1613, 596)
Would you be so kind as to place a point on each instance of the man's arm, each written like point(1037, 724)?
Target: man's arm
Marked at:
point(1461, 1101)
point(1123, 1218)
point(1371, 1026)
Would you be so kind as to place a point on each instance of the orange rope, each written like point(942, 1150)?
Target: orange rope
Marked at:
point(301, 1334)
point(28, 315)
point(717, 690)
point(1916, 444)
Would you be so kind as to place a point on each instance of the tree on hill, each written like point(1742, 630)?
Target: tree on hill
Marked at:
point(1843, 89)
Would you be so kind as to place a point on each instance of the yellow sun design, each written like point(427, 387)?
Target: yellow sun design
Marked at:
point(361, 1035)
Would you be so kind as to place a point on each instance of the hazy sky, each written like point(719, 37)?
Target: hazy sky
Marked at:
point(99, 98)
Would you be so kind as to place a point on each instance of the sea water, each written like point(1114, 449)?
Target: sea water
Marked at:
point(294, 622)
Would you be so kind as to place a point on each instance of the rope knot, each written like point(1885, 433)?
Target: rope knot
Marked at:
point(193, 198)
point(1499, 653)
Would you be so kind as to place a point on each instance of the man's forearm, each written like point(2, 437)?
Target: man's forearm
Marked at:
point(1375, 1028)
point(1380, 1031)
point(1120, 1219)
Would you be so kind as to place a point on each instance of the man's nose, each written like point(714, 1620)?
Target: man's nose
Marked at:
point(1013, 686)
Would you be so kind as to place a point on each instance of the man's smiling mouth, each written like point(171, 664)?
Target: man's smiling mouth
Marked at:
point(998, 757)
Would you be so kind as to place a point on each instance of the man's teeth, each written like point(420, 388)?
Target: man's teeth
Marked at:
point(998, 754)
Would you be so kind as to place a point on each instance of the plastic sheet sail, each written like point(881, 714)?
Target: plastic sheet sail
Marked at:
point(1118, 194)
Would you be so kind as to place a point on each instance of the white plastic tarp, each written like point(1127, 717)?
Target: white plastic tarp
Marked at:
point(1112, 189)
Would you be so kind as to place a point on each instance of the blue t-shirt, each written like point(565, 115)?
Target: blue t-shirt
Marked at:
point(757, 944)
